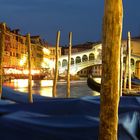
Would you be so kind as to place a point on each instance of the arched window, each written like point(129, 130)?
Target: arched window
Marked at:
point(78, 59)
point(64, 62)
point(91, 56)
point(84, 58)
point(72, 61)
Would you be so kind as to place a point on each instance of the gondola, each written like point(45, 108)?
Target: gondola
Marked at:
point(97, 86)
point(93, 84)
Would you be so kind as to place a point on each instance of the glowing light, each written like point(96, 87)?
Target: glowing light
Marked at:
point(21, 83)
point(51, 64)
point(33, 72)
point(47, 63)
point(47, 83)
point(12, 71)
point(46, 92)
point(22, 60)
point(46, 51)
point(25, 72)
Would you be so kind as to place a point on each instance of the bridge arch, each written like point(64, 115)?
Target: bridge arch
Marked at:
point(132, 62)
point(91, 56)
point(72, 61)
point(78, 59)
point(59, 63)
point(64, 63)
point(84, 58)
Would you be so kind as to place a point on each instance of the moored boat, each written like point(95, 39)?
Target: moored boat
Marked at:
point(96, 86)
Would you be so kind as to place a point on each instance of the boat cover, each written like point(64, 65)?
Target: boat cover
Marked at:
point(65, 119)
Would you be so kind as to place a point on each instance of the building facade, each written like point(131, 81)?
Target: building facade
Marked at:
point(15, 59)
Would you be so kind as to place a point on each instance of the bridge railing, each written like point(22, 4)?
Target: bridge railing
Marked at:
point(81, 52)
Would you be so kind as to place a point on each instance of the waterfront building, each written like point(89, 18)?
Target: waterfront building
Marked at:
point(52, 56)
point(78, 47)
point(15, 50)
point(16, 55)
point(53, 52)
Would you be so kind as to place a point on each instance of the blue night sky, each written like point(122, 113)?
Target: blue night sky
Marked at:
point(82, 17)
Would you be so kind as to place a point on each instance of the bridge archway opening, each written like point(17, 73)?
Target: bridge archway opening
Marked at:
point(72, 61)
point(132, 62)
point(91, 56)
point(59, 63)
point(84, 58)
point(64, 62)
point(78, 59)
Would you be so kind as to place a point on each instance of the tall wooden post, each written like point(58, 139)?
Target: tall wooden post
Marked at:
point(121, 73)
point(111, 41)
point(126, 68)
point(30, 98)
point(69, 63)
point(2, 46)
point(129, 61)
point(56, 65)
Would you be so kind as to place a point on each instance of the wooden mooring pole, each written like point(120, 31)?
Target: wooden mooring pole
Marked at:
point(121, 71)
point(129, 61)
point(110, 85)
point(69, 63)
point(30, 97)
point(126, 69)
point(54, 91)
point(2, 46)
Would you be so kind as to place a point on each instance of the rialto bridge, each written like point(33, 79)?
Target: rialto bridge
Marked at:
point(83, 59)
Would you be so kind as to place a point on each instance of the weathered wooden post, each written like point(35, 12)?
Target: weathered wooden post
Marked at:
point(2, 46)
point(111, 41)
point(129, 61)
point(121, 73)
point(126, 68)
point(30, 98)
point(69, 63)
point(56, 65)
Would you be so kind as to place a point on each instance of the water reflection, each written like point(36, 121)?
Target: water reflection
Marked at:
point(41, 87)
point(44, 87)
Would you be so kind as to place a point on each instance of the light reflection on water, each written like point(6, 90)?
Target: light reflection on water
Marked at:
point(44, 87)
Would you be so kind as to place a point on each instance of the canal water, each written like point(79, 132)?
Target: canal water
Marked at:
point(44, 87)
